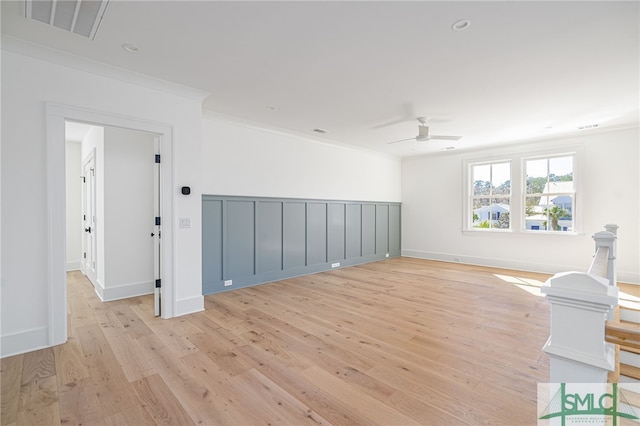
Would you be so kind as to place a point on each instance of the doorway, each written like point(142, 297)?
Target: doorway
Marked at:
point(57, 116)
point(120, 191)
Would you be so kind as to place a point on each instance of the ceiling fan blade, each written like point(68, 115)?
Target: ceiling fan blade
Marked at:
point(446, 138)
point(390, 123)
point(401, 140)
point(405, 115)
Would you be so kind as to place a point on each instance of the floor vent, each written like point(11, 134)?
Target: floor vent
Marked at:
point(81, 17)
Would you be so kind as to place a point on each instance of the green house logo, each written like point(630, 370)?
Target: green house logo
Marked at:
point(588, 403)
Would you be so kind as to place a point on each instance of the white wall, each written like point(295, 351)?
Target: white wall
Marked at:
point(128, 213)
point(74, 205)
point(432, 209)
point(27, 85)
point(241, 160)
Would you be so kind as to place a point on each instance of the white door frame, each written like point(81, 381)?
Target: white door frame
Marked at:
point(57, 114)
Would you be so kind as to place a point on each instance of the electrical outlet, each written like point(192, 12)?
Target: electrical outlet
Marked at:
point(386, 255)
point(335, 265)
point(227, 283)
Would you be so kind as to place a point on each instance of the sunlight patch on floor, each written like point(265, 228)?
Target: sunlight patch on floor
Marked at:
point(527, 284)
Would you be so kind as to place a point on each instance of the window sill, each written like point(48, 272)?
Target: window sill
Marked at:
point(479, 231)
point(487, 231)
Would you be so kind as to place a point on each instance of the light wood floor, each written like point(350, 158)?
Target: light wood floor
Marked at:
point(398, 342)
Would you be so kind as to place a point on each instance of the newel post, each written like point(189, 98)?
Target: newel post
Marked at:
point(580, 303)
point(611, 242)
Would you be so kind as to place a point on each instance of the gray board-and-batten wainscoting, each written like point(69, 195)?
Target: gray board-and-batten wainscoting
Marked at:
point(248, 241)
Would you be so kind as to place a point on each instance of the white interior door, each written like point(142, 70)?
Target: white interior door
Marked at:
point(89, 259)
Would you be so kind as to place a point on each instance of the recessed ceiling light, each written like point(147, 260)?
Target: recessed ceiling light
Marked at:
point(130, 48)
point(320, 130)
point(461, 25)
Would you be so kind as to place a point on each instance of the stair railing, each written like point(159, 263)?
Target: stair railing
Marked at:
point(581, 303)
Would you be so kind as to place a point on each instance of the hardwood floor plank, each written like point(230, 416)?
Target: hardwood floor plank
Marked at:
point(11, 380)
point(132, 323)
point(79, 404)
point(423, 410)
point(220, 403)
point(160, 402)
point(109, 381)
point(282, 407)
point(324, 403)
point(123, 345)
point(136, 415)
point(221, 352)
point(38, 365)
point(372, 410)
point(69, 362)
point(39, 402)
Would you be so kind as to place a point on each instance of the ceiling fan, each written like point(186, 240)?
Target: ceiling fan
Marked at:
point(423, 134)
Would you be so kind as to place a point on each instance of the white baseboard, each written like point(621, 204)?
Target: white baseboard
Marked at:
point(189, 306)
point(129, 290)
point(74, 266)
point(545, 268)
point(108, 294)
point(628, 277)
point(487, 261)
point(24, 341)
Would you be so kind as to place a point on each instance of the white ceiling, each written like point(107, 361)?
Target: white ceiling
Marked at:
point(365, 70)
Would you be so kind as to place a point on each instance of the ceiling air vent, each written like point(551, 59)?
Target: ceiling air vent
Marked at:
point(588, 126)
point(81, 17)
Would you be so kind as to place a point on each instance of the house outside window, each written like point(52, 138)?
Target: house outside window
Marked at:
point(549, 202)
point(490, 195)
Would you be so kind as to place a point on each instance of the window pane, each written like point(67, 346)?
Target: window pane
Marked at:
point(481, 177)
point(500, 213)
point(561, 169)
point(536, 175)
point(535, 219)
point(501, 178)
point(482, 213)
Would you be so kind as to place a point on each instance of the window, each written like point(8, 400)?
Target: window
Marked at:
point(549, 201)
point(523, 192)
point(490, 195)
